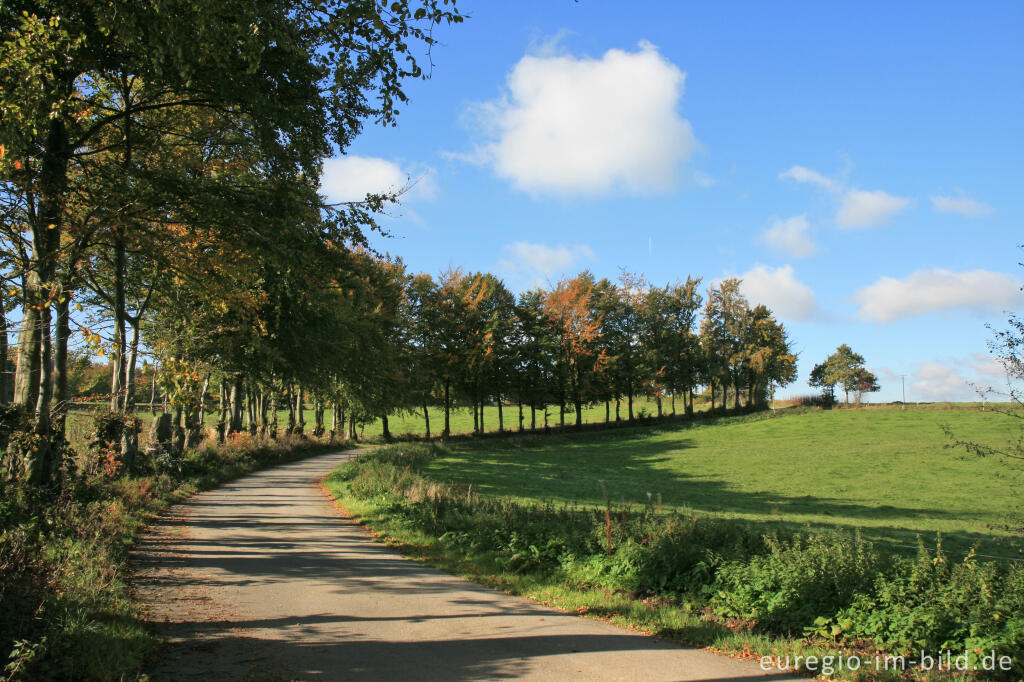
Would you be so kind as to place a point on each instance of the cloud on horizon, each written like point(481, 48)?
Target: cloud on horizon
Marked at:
point(890, 299)
point(531, 265)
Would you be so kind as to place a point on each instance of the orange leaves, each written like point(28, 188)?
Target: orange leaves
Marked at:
point(569, 306)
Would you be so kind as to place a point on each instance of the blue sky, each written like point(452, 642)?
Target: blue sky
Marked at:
point(857, 164)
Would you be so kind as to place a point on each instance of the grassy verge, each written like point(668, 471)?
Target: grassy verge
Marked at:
point(67, 610)
point(710, 582)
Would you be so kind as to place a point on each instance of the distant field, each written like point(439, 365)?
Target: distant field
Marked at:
point(883, 470)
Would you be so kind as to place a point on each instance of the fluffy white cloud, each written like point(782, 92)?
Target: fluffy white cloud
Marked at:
point(863, 208)
point(584, 126)
point(780, 290)
point(351, 178)
point(891, 299)
point(965, 206)
point(804, 174)
point(529, 265)
point(789, 235)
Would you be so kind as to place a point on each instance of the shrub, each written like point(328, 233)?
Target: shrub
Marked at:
point(930, 603)
point(797, 581)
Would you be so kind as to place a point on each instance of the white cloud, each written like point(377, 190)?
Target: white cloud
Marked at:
point(862, 208)
point(789, 235)
point(804, 174)
point(530, 264)
point(963, 205)
point(857, 207)
point(932, 382)
point(351, 178)
point(924, 291)
point(780, 290)
point(584, 126)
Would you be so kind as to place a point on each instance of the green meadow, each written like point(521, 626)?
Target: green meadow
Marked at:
point(409, 423)
point(886, 471)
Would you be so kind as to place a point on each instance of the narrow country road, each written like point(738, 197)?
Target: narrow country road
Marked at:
point(262, 579)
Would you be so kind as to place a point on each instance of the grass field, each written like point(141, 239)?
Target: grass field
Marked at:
point(410, 423)
point(883, 470)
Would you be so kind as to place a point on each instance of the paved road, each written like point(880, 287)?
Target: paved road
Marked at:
point(262, 579)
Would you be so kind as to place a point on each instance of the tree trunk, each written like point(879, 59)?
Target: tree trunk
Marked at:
point(318, 417)
point(607, 411)
point(520, 416)
point(689, 406)
point(117, 361)
point(618, 406)
point(533, 417)
point(177, 433)
point(476, 419)
point(289, 398)
point(273, 410)
point(385, 430)
point(673, 403)
point(222, 422)
point(711, 386)
point(152, 397)
point(60, 364)
point(426, 417)
point(447, 410)
point(300, 411)
point(736, 390)
point(4, 383)
point(482, 427)
point(235, 425)
point(657, 399)
point(202, 401)
point(43, 462)
point(629, 399)
point(26, 377)
point(501, 417)
point(129, 366)
point(578, 403)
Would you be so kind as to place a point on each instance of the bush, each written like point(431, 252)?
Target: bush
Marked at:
point(930, 603)
point(797, 581)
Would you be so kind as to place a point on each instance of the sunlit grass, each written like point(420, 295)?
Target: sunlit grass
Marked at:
point(887, 471)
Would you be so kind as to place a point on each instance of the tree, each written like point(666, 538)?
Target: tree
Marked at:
point(846, 369)
point(571, 311)
point(288, 83)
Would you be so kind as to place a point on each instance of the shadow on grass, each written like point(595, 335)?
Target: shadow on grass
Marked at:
point(579, 469)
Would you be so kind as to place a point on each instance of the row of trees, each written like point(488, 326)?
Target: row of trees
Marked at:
point(159, 175)
point(466, 339)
